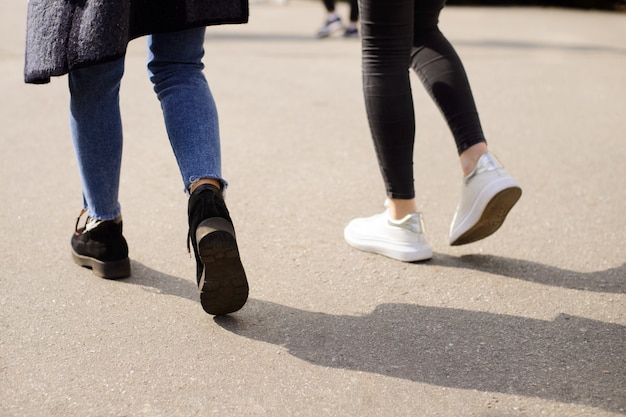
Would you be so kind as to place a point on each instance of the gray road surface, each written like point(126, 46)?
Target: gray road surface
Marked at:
point(529, 322)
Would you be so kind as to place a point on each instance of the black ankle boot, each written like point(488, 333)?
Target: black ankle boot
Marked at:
point(219, 273)
point(99, 245)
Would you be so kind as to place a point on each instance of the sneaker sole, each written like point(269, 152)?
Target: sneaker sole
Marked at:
point(390, 250)
point(492, 217)
point(108, 270)
point(223, 286)
point(332, 28)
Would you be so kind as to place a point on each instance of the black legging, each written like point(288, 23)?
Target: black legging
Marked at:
point(398, 35)
point(354, 8)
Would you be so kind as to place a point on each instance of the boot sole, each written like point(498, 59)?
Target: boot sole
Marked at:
point(492, 217)
point(223, 285)
point(108, 270)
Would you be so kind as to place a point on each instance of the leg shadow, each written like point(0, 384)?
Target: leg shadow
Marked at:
point(161, 283)
point(570, 359)
point(607, 281)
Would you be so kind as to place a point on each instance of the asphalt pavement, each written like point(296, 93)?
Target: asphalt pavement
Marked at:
point(529, 322)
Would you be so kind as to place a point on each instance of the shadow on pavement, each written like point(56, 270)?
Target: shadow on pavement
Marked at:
point(153, 280)
point(608, 281)
point(563, 47)
point(569, 360)
point(250, 36)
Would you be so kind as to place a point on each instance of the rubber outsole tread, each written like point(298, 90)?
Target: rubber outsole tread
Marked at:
point(223, 286)
point(492, 217)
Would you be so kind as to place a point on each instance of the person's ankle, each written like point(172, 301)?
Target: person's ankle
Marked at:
point(202, 181)
point(469, 158)
point(400, 208)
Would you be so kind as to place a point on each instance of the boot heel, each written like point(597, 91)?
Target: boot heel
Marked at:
point(223, 286)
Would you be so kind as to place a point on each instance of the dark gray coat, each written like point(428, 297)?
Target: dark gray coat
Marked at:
point(65, 34)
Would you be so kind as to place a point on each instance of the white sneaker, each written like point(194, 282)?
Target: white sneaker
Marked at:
point(487, 196)
point(331, 25)
point(403, 240)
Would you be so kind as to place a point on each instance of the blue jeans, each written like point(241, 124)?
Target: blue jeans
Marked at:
point(175, 69)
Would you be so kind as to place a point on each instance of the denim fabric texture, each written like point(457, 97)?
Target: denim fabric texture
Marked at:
point(175, 69)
